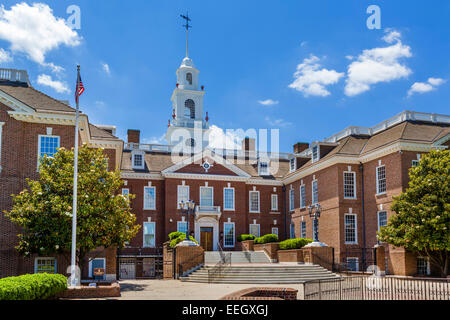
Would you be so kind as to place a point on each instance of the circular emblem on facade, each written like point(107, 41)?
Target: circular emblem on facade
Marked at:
point(206, 165)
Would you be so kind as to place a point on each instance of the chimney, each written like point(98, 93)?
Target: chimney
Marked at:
point(300, 146)
point(248, 144)
point(133, 136)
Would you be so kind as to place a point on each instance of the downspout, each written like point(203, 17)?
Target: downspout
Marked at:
point(361, 169)
point(284, 211)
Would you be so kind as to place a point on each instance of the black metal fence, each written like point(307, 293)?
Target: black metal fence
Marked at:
point(378, 288)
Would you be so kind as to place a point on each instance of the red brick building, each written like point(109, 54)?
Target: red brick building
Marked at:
point(352, 175)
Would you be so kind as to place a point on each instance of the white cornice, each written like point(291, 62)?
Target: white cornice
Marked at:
point(265, 182)
point(48, 118)
point(142, 176)
point(204, 177)
point(14, 104)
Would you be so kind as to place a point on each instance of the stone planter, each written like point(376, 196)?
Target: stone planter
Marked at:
point(270, 249)
point(103, 290)
point(247, 245)
point(293, 255)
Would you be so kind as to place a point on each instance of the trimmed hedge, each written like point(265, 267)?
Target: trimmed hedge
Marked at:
point(176, 234)
point(176, 241)
point(37, 286)
point(268, 238)
point(294, 243)
point(245, 237)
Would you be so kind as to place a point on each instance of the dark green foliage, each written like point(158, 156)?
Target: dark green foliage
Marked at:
point(245, 237)
point(32, 286)
point(294, 243)
point(176, 234)
point(182, 236)
point(268, 238)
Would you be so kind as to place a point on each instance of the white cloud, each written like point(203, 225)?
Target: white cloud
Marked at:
point(58, 86)
point(105, 67)
point(278, 123)
point(311, 80)
point(378, 65)
point(5, 56)
point(268, 102)
point(34, 31)
point(423, 87)
point(220, 139)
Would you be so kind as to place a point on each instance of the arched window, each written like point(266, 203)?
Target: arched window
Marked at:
point(189, 108)
point(189, 77)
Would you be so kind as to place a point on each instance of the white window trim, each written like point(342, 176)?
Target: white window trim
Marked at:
point(154, 202)
point(295, 164)
point(427, 259)
point(178, 194)
point(385, 178)
point(415, 161)
point(255, 224)
point(291, 200)
point(356, 228)
point(212, 194)
point(234, 235)
point(90, 266)
point(138, 152)
point(45, 258)
point(272, 202)
point(234, 199)
point(1, 127)
point(378, 218)
point(275, 228)
point(312, 153)
point(302, 235)
point(178, 225)
point(260, 173)
point(292, 229)
point(143, 234)
point(250, 202)
point(354, 184)
point(357, 262)
point(39, 144)
point(301, 198)
point(312, 191)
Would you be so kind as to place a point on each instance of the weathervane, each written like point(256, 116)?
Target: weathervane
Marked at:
point(187, 26)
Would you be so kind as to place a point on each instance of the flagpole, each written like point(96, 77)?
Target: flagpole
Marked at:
point(74, 275)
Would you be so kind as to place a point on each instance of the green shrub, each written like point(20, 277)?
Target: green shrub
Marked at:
point(245, 237)
point(176, 234)
point(294, 243)
point(268, 238)
point(176, 241)
point(37, 286)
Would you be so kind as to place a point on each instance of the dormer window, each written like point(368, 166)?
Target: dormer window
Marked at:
point(315, 153)
point(292, 164)
point(189, 78)
point(263, 167)
point(137, 160)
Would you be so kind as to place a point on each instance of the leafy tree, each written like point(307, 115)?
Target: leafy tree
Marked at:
point(423, 211)
point(44, 212)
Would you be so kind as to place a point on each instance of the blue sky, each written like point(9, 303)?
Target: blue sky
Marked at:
point(247, 52)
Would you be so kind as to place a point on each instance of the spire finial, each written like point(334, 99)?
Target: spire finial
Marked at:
point(187, 26)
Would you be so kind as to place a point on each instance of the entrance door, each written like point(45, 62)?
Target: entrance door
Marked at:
point(206, 238)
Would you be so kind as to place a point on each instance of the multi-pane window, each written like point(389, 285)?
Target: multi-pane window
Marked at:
point(275, 230)
point(381, 180)
point(182, 226)
point(315, 153)
point(291, 200)
point(382, 219)
point(254, 230)
point(263, 168)
point(48, 146)
point(350, 228)
point(349, 185)
point(149, 198)
point(47, 265)
point(274, 202)
point(254, 201)
point(292, 231)
point(302, 196)
point(183, 195)
point(423, 266)
point(352, 264)
point(228, 234)
point(228, 199)
point(303, 229)
point(315, 192)
point(149, 234)
point(415, 163)
point(138, 161)
point(292, 164)
point(206, 196)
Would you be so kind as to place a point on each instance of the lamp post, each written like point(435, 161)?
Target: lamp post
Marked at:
point(187, 207)
point(314, 213)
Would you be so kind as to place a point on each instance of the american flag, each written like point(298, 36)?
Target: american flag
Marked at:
point(80, 88)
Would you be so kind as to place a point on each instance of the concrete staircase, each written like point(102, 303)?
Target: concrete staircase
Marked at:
point(213, 257)
point(264, 274)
